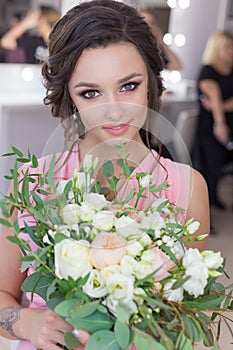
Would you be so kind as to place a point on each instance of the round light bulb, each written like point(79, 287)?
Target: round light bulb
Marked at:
point(175, 76)
point(171, 3)
point(167, 39)
point(184, 4)
point(179, 40)
point(27, 74)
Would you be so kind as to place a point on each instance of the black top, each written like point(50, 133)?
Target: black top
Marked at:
point(31, 45)
point(225, 83)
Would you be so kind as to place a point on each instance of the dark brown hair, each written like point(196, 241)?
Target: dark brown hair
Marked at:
point(96, 24)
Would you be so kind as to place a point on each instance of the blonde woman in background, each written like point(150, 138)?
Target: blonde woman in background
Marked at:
point(215, 128)
point(34, 45)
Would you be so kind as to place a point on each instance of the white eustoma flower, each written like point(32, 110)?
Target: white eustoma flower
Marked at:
point(134, 248)
point(158, 202)
point(96, 201)
point(95, 286)
point(138, 295)
point(173, 294)
point(63, 229)
point(211, 259)
point(126, 226)
point(120, 287)
point(145, 240)
point(89, 164)
point(86, 213)
point(128, 265)
point(145, 181)
point(108, 271)
point(103, 220)
point(197, 272)
point(148, 256)
point(61, 186)
point(154, 222)
point(143, 270)
point(70, 214)
point(72, 258)
point(193, 227)
point(46, 239)
point(192, 256)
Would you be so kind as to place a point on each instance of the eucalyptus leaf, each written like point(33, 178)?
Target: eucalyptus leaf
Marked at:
point(122, 334)
point(104, 340)
point(70, 340)
point(144, 341)
point(92, 323)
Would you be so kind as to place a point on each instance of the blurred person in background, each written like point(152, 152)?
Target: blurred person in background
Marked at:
point(171, 61)
point(213, 146)
point(30, 35)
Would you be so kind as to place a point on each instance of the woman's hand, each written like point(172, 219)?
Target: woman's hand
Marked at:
point(221, 132)
point(45, 329)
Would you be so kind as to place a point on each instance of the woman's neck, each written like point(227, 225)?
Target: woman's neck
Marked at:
point(222, 67)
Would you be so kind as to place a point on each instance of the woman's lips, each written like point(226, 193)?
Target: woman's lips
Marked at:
point(116, 129)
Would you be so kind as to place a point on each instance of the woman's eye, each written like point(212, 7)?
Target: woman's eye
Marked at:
point(89, 94)
point(129, 86)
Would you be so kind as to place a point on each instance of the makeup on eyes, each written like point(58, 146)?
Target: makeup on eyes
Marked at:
point(93, 93)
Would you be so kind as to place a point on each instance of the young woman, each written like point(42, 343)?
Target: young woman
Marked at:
point(102, 74)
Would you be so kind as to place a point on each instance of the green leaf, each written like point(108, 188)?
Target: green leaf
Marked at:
point(34, 161)
point(64, 309)
point(108, 168)
point(185, 344)
point(5, 222)
point(104, 340)
point(123, 313)
point(91, 323)
point(144, 341)
point(122, 334)
point(17, 151)
point(36, 283)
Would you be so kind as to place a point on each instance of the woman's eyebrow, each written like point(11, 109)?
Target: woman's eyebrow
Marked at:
point(130, 76)
point(95, 86)
point(85, 84)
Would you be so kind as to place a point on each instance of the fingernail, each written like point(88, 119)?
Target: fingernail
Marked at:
point(77, 334)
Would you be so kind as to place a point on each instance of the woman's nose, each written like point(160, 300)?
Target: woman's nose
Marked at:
point(114, 110)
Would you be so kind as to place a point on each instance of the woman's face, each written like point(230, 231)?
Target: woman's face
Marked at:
point(226, 53)
point(109, 88)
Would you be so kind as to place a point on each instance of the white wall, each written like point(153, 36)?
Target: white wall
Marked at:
point(197, 22)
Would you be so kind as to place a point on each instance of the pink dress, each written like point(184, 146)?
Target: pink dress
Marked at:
point(177, 175)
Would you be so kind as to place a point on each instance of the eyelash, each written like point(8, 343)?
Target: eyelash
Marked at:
point(86, 92)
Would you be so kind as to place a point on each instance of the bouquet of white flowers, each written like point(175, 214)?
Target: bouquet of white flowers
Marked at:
point(123, 275)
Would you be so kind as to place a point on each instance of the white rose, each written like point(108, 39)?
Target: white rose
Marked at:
point(72, 258)
point(103, 220)
point(145, 181)
point(120, 287)
point(212, 260)
point(125, 226)
point(70, 214)
point(86, 213)
point(172, 294)
point(133, 248)
point(95, 286)
point(128, 265)
point(96, 201)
